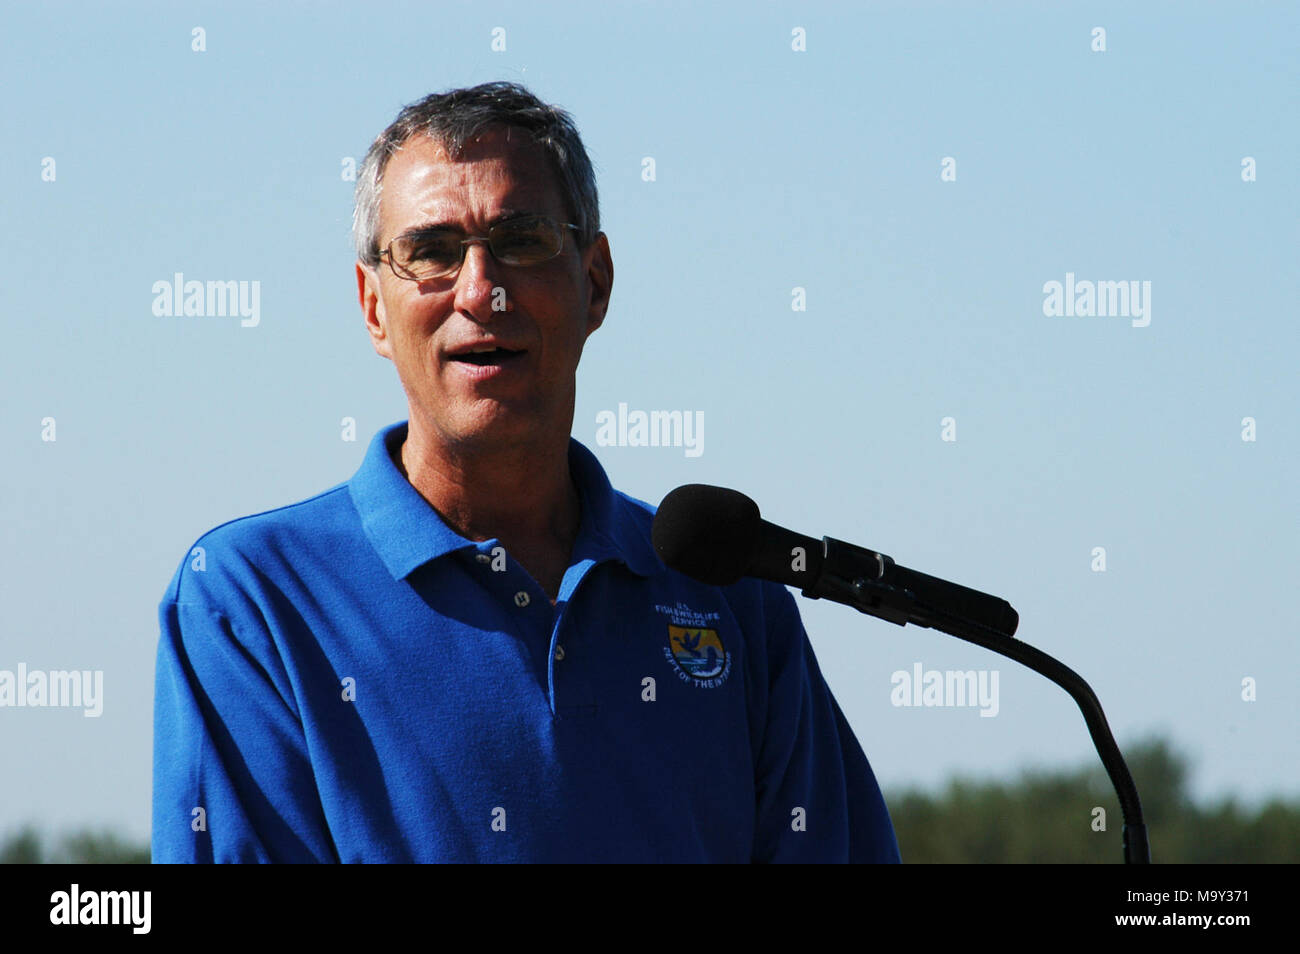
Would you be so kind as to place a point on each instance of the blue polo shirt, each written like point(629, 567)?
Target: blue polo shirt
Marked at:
point(346, 679)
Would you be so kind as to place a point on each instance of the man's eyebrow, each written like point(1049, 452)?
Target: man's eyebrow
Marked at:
point(434, 225)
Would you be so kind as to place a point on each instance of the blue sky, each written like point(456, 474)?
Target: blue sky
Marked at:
point(775, 169)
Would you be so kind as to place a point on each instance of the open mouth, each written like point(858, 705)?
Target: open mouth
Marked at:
point(484, 358)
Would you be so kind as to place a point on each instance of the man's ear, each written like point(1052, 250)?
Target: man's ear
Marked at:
point(600, 276)
point(372, 308)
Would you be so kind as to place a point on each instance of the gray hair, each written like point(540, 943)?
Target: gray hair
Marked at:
point(457, 116)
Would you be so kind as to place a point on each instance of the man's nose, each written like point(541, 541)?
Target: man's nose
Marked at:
point(477, 279)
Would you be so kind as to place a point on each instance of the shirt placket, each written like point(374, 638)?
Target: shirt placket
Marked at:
point(568, 694)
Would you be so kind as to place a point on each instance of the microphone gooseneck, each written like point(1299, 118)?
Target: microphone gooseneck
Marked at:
point(718, 536)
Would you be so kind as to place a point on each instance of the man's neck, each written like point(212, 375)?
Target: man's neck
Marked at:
point(523, 496)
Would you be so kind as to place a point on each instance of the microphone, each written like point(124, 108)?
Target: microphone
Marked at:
point(716, 535)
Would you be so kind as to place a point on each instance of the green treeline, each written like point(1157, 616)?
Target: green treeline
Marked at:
point(27, 847)
point(1046, 817)
point(1042, 817)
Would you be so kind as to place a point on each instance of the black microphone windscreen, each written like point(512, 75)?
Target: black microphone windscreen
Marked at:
point(708, 533)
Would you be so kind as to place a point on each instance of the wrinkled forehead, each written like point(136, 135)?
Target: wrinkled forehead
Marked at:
point(497, 172)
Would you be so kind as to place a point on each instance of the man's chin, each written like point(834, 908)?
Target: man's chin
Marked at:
point(501, 428)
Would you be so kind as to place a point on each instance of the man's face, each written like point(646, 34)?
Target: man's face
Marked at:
point(543, 312)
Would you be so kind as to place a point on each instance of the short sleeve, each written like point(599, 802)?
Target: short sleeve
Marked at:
point(232, 778)
point(818, 799)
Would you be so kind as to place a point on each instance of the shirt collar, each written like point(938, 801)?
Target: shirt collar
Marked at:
point(407, 532)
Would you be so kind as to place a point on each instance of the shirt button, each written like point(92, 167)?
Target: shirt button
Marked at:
point(521, 598)
point(559, 653)
point(483, 558)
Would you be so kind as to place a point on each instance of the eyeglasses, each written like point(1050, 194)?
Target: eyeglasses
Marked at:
point(439, 252)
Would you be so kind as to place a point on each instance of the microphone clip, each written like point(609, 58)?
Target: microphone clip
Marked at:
point(856, 576)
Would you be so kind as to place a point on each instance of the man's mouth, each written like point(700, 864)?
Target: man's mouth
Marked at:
point(495, 356)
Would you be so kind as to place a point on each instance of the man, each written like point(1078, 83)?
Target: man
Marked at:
point(470, 652)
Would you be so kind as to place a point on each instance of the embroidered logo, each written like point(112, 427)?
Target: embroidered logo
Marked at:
point(695, 649)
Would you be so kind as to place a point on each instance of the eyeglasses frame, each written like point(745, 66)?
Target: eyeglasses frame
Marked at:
point(469, 240)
